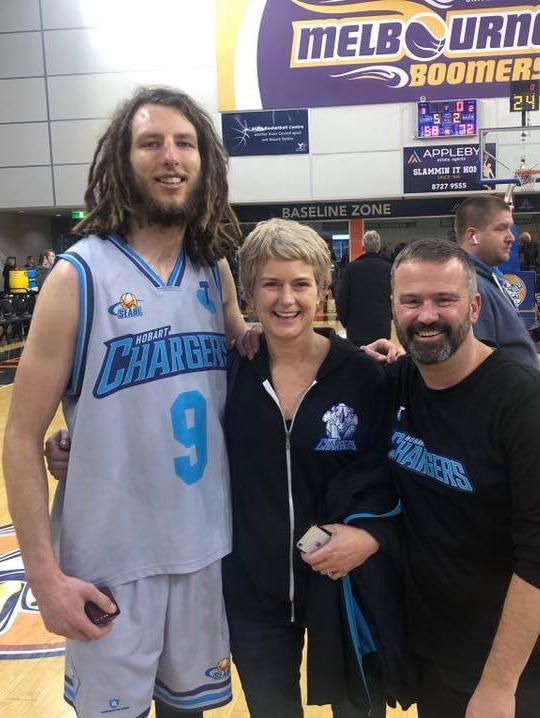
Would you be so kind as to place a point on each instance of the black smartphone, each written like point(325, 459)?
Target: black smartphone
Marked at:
point(96, 615)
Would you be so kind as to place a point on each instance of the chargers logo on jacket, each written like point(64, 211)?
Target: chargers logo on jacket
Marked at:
point(341, 423)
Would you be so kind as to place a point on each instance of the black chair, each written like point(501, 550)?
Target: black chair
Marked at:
point(21, 307)
point(4, 324)
point(11, 319)
point(30, 299)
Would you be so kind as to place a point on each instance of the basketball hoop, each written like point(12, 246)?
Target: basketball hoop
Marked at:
point(527, 179)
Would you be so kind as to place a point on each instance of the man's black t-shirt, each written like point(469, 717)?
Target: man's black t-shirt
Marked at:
point(467, 461)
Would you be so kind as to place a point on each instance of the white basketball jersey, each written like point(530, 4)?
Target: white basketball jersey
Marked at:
point(148, 485)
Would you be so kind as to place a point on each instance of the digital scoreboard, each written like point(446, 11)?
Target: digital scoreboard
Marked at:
point(447, 118)
point(524, 96)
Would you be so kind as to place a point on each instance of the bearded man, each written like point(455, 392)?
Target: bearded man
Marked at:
point(466, 453)
point(147, 305)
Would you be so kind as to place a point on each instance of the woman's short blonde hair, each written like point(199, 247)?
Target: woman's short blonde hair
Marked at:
point(283, 239)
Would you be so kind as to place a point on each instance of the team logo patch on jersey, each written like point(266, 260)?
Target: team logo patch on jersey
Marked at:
point(341, 423)
point(128, 306)
point(22, 633)
point(203, 296)
point(220, 671)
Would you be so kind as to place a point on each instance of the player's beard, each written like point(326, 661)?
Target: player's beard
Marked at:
point(167, 214)
point(439, 350)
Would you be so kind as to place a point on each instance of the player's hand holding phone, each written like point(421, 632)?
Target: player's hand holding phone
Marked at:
point(62, 601)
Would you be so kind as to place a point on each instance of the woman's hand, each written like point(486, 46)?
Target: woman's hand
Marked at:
point(348, 548)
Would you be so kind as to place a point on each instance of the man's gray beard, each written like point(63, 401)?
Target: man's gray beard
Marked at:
point(436, 353)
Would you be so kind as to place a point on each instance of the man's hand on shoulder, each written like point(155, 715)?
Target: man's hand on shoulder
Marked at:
point(57, 448)
point(383, 350)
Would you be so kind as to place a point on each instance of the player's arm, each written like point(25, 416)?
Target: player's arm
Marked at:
point(238, 333)
point(514, 641)
point(41, 378)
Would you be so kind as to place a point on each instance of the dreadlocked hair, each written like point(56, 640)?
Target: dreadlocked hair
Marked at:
point(214, 233)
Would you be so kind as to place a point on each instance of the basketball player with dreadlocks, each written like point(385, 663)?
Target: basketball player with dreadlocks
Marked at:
point(130, 332)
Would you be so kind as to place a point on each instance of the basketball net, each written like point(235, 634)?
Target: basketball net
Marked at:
point(527, 179)
point(526, 183)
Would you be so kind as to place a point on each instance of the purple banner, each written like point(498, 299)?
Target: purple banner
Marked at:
point(338, 52)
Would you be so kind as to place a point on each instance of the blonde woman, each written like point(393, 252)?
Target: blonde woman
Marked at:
point(305, 434)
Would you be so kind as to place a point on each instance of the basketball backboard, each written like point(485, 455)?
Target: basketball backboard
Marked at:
point(511, 156)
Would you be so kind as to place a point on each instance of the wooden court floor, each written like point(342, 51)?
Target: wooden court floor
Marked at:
point(32, 687)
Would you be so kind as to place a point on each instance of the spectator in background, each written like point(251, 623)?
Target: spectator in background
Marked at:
point(363, 304)
point(30, 262)
point(10, 263)
point(483, 226)
point(528, 251)
point(46, 261)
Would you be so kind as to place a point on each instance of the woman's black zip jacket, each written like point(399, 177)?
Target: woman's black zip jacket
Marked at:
point(328, 466)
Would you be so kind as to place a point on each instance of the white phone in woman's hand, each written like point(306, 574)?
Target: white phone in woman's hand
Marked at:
point(314, 538)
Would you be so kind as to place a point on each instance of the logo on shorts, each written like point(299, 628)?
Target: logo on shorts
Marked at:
point(128, 306)
point(221, 670)
point(22, 633)
point(341, 423)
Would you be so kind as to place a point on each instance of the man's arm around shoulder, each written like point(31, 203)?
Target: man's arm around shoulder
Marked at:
point(41, 379)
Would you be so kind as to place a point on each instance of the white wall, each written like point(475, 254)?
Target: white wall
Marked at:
point(62, 71)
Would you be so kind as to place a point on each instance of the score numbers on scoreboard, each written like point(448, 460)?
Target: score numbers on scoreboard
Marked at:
point(447, 118)
point(524, 96)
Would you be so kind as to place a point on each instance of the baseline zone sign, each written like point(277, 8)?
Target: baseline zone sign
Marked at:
point(441, 168)
point(372, 210)
point(276, 54)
